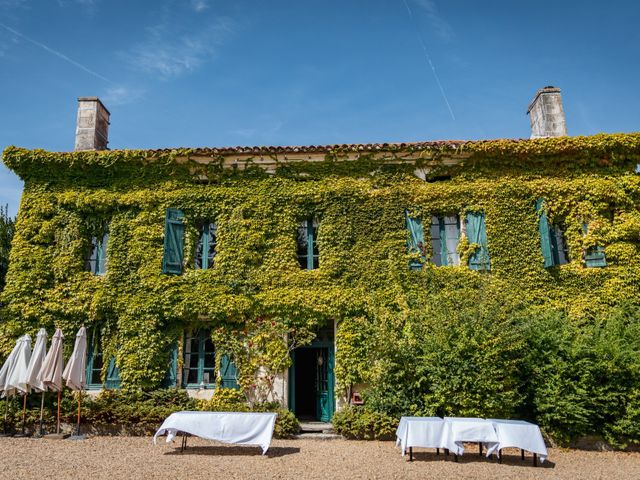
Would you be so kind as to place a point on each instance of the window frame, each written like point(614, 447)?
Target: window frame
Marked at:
point(442, 235)
point(204, 234)
point(94, 351)
point(202, 335)
point(312, 254)
point(96, 260)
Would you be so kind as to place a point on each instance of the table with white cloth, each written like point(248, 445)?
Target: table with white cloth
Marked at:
point(241, 428)
point(519, 434)
point(458, 430)
point(423, 432)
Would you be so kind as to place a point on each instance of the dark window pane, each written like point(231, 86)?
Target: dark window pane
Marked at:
point(192, 376)
point(90, 263)
point(212, 233)
point(209, 361)
point(199, 248)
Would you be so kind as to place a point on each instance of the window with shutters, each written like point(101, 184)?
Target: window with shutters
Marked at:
point(199, 359)
point(206, 247)
point(415, 241)
point(308, 254)
point(95, 364)
point(173, 258)
point(552, 241)
point(476, 232)
point(445, 237)
point(96, 260)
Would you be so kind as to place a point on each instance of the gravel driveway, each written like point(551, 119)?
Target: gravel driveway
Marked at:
point(136, 458)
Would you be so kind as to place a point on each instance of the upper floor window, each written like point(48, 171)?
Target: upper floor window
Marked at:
point(594, 256)
point(445, 236)
point(552, 241)
point(308, 254)
point(206, 247)
point(96, 261)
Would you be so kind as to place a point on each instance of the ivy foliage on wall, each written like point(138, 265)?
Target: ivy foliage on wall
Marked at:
point(363, 281)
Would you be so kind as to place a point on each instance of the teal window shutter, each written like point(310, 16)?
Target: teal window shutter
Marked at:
point(171, 377)
point(228, 373)
point(173, 242)
point(96, 261)
point(415, 239)
point(477, 233)
point(113, 375)
point(545, 234)
point(594, 256)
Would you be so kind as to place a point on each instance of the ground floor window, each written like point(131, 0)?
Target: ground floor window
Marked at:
point(199, 359)
point(95, 364)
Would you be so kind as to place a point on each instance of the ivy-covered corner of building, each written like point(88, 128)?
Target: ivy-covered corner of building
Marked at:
point(463, 277)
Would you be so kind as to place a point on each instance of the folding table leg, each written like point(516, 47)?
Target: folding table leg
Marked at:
point(499, 456)
point(535, 459)
point(411, 454)
point(455, 457)
point(437, 451)
point(480, 448)
point(522, 454)
point(446, 452)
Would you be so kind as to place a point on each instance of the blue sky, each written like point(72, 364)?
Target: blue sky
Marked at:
point(249, 72)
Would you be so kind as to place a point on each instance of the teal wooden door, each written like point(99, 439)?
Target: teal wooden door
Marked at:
point(324, 384)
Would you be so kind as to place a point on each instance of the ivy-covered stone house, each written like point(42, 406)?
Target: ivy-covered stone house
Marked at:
point(264, 268)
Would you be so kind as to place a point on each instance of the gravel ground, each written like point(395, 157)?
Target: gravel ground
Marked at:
point(137, 458)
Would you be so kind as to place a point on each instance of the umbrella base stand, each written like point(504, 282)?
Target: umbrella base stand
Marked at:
point(56, 436)
point(78, 437)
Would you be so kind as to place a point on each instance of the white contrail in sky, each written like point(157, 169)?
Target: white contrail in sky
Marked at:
point(428, 57)
point(56, 53)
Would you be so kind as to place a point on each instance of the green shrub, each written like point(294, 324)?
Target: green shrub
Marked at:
point(362, 424)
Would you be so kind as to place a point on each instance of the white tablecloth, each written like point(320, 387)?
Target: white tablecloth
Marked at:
point(229, 427)
point(423, 432)
point(458, 430)
point(519, 434)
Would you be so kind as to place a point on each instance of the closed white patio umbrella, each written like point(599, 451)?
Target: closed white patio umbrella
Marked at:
point(35, 365)
point(17, 381)
point(4, 371)
point(50, 375)
point(75, 372)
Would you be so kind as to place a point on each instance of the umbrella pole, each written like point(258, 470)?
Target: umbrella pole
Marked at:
point(24, 412)
point(79, 403)
point(58, 422)
point(42, 414)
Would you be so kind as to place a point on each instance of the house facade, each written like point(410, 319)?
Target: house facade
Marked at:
point(260, 268)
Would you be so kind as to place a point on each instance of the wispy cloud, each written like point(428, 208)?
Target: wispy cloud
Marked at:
point(199, 5)
point(122, 95)
point(58, 54)
point(440, 26)
point(171, 55)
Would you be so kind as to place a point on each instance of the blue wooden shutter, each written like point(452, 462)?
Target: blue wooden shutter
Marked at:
point(227, 373)
point(173, 242)
point(171, 377)
point(594, 256)
point(477, 233)
point(415, 240)
point(545, 234)
point(113, 375)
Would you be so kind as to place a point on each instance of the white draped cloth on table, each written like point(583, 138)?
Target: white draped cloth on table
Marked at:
point(35, 364)
point(458, 430)
point(50, 374)
point(242, 428)
point(518, 434)
point(423, 432)
point(75, 371)
point(16, 381)
point(8, 365)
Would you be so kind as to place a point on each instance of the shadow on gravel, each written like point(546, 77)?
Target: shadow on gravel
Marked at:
point(510, 460)
point(273, 452)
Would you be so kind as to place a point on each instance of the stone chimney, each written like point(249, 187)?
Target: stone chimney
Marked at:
point(92, 128)
point(546, 114)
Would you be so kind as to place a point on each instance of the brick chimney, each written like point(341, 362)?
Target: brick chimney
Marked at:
point(546, 114)
point(92, 128)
